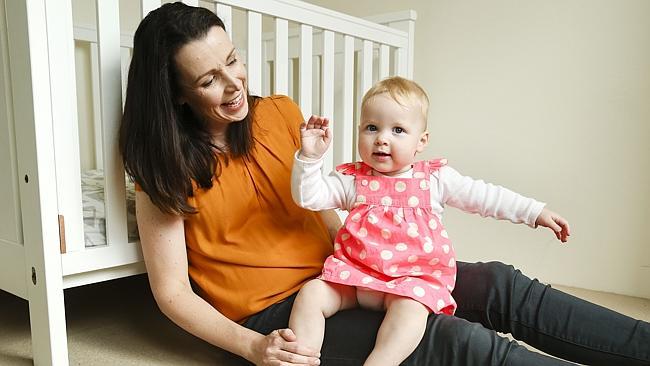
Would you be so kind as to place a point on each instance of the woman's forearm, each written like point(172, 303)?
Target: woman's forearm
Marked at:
point(199, 318)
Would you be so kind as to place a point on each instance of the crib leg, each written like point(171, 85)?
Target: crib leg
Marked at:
point(47, 319)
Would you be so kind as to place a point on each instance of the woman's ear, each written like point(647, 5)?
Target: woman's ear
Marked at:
point(423, 142)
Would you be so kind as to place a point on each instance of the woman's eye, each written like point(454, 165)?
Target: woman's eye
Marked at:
point(232, 62)
point(398, 130)
point(208, 83)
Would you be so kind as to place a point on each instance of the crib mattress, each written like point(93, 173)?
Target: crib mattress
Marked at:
point(92, 188)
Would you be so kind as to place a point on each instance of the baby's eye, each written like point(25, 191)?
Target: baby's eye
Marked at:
point(371, 128)
point(398, 130)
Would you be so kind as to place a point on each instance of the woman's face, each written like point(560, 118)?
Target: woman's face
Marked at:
point(213, 80)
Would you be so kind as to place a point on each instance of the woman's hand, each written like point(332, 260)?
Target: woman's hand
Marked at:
point(280, 347)
point(315, 137)
point(554, 222)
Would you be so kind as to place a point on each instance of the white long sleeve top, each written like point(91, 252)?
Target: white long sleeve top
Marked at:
point(314, 191)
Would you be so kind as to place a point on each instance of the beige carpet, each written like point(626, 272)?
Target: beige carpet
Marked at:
point(118, 323)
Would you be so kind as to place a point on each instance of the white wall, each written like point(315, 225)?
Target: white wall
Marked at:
point(550, 99)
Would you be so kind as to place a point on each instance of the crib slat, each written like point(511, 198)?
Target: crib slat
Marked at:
point(366, 67)
point(108, 35)
point(401, 66)
point(254, 54)
point(148, 5)
point(66, 130)
point(281, 63)
point(384, 61)
point(327, 91)
point(344, 130)
point(225, 13)
point(306, 70)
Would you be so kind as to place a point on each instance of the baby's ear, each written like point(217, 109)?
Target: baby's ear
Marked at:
point(423, 142)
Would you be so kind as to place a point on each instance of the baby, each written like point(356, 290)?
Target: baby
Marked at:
point(393, 252)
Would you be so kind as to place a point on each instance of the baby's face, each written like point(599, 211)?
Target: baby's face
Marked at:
point(390, 134)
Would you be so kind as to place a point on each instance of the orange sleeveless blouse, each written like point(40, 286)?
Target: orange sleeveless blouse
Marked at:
point(250, 245)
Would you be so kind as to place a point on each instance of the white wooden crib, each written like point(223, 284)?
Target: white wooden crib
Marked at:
point(323, 59)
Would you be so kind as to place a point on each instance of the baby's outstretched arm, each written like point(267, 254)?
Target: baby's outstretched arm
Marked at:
point(315, 137)
point(555, 222)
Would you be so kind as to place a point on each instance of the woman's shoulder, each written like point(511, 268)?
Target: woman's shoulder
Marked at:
point(278, 101)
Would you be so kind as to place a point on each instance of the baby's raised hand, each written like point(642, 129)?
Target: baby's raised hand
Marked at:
point(555, 222)
point(315, 136)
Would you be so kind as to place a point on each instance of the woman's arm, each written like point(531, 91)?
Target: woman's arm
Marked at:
point(162, 238)
point(332, 221)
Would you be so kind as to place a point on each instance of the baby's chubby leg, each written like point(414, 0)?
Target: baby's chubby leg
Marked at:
point(400, 332)
point(317, 301)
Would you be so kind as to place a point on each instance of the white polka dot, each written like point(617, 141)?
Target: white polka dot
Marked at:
point(364, 182)
point(390, 284)
point(362, 232)
point(385, 233)
point(412, 258)
point(374, 185)
point(416, 269)
point(445, 248)
point(397, 219)
point(428, 245)
point(337, 246)
point(440, 304)
point(418, 211)
point(393, 268)
point(452, 262)
point(437, 273)
point(418, 291)
point(400, 247)
point(374, 266)
point(450, 288)
point(356, 217)
point(386, 201)
point(386, 254)
point(435, 287)
point(412, 230)
point(433, 224)
point(408, 279)
point(400, 186)
point(413, 201)
point(424, 184)
point(372, 219)
point(400, 211)
point(418, 175)
point(344, 275)
point(366, 280)
point(335, 260)
point(349, 250)
point(434, 261)
point(362, 254)
point(444, 234)
point(373, 243)
point(357, 166)
point(345, 236)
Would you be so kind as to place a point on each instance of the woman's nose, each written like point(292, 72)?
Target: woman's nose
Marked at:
point(231, 81)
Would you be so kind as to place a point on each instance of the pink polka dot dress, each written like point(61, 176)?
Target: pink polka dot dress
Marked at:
point(392, 241)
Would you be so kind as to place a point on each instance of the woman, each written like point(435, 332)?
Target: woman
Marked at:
point(226, 248)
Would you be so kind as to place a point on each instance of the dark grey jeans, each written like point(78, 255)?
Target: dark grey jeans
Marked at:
point(491, 297)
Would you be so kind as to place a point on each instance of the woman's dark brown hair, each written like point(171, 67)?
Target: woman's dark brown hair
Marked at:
point(164, 146)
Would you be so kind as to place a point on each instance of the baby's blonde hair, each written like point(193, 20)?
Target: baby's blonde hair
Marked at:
point(405, 92)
